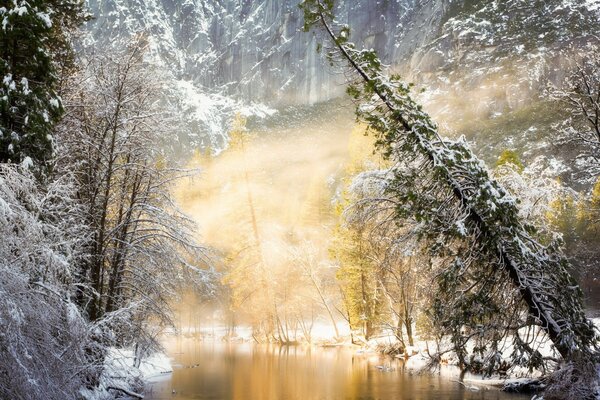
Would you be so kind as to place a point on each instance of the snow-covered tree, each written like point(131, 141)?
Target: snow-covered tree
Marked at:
point(33, 34)
point(534, 185)
point(494, 276)
point(580, 95)
point(142, 247)
point(399, 258)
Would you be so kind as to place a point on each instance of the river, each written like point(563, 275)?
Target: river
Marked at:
point(215, 370)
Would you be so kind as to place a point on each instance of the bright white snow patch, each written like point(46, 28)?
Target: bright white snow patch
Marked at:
point(27, 163)
point(20, 11)
point(54, 103)
point(119, 371)
point(45, 18)
point(25, 85)
point(593, 5)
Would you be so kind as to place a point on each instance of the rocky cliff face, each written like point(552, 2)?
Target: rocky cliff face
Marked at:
point(256, 49)
point(496, 53)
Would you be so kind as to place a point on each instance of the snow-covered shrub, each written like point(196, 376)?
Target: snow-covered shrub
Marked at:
point(43, 337)
point(573, 381)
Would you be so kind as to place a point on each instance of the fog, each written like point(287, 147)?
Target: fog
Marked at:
point(291, 172)
point(289, 178)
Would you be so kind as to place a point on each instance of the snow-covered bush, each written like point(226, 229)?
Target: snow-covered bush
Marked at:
point(43, 337)
point(573, 381)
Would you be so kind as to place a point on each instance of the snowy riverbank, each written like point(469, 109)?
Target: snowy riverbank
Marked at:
point(120, 376)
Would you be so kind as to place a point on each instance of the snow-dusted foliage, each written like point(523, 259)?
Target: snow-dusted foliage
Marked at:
point(93, 246)
point(580, 95)
point(31, 33)
point(399, 258)
point(142, 248)
point(535, 188)
point(493, 275)
point(44, 339)
point(92, 258)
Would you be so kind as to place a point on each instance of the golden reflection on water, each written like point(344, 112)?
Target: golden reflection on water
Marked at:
point(246, 371)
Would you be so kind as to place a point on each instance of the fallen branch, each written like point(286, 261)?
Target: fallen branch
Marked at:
point(127, 392)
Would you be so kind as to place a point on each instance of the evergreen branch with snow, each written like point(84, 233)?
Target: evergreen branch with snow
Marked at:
point(491, 257)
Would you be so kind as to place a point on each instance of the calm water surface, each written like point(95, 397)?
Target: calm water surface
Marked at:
point(247, 371)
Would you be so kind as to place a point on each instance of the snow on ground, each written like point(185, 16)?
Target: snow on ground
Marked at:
point(120, 372)
point(321, 332)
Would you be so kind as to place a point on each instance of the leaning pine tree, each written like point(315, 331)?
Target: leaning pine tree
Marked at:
point(495, 280)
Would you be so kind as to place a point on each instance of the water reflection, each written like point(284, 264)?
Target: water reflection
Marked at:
point(246, 371)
